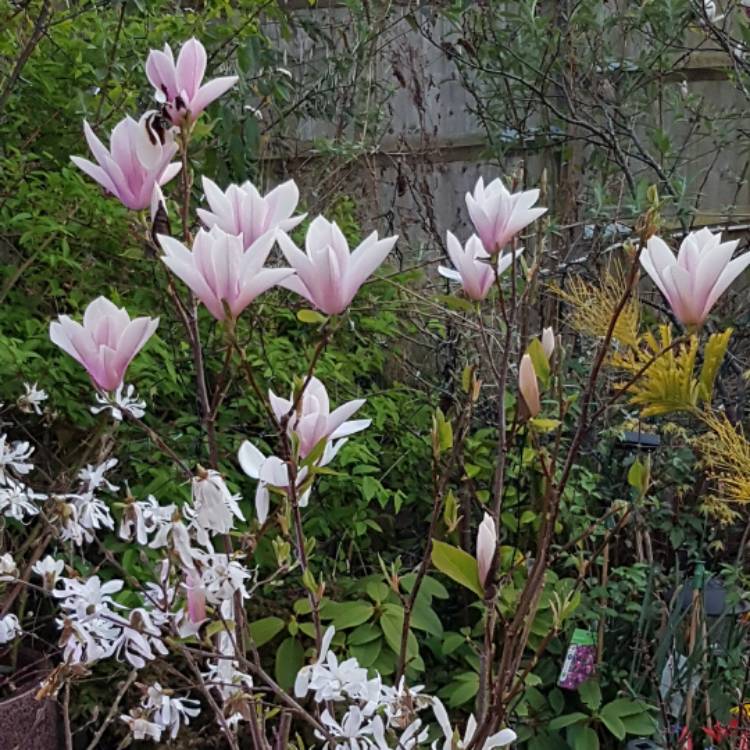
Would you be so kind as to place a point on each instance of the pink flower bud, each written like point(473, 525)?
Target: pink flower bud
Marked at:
point(528, 386)
point(548, 342)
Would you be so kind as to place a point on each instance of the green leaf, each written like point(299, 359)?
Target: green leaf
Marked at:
point(457, 565)
point(265, 629)
point(290, 658)
point(560, 722)
point(625, 707)
point(312, 317)
point(586, 739)
point(540, 361)
point(430, 586)
point(423, 617)
point(347, 614)
point(364, 634)
point(612, 721)
point(377, 591)
point(643, 724)
point(591, 694)
point(367, 653)
point(392, 625)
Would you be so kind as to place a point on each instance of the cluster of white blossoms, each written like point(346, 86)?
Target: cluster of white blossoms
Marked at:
point(160, 712)
point(375, 716)
point(17, 500)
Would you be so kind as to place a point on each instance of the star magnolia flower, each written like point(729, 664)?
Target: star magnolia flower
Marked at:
point(271, 471)
point(214, 506)
point(9, 628)
point(500, 739)
point(49, 570)
point(8, 569)
point(170, 712)
point(473, 270)
point(312, 421)
point(528, 386)
point(32, 399)
point(701, 273)
point(178, 86)
point(138, 160)
point(106, 342)
point(486, 546)
point(498, 215)
point(142, 729)
point(219, 270)
point(242, 210)
point(327, 274)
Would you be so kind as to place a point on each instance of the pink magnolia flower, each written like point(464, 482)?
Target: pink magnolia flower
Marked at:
point(701, 273)
point(242, 210)
point(312, 420)
point(486, 546)
point(327, 275)
point(106, 342)
point(499, 215)
point(473, 269)
point(528, 386)
point(178, 86)
point(137, 162)
point(219, 270)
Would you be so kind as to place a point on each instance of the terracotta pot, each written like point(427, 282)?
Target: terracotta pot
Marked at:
point(26, 723)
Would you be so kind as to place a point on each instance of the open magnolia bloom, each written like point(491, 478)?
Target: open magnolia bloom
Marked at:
point(272, 472)
point(106, 342)
point(327, 274)
point(242, 210)
point(139, 159)
point(178, 85)
point(701, 273)
point(220, 271)
point(472, 266)
point(499, 215)
point(311, 419)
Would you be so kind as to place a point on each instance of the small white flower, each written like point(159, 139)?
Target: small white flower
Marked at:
point(141, 728)
point(222, 577)
point(170, 712)
point(31, 400)
point(93, 477)
point(83, 599)
point(9, 628)
point(8, 569)
point(49, 570)
point(15, 457)
point(17, 500)
point(140, 518)
point(214, 506)
point(124, 401)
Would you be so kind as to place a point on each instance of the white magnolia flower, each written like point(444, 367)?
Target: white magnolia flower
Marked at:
point(9, 628)
point(17, 500)
point(49, 570)
point(172, 532)
point(141, 728)
point(223, 577)
point(141, 518)
point(14, 457)
point(138, 638)
point(500, 739)
point(8, 569)
point(170, 712)
point(92, 477)
point(84, 599)
point(124, 401)
point(31, 400)
point(214, 506)
point(352, 733)
point(272, 472)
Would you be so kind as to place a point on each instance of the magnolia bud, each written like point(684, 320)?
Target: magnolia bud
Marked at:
point(528, 386)
point(486, 546)
point(548, 342)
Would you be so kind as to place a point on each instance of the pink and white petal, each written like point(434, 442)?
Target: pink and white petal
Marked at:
point(350, 427)
point(191, 67)
point(709, 268)
point(96, 173)
point(282, 202)
point(450, 273)
point(218, 201)
point(363, 265)
point(161, 72)
point(294, 284)
point(340, 415)
point(170, 171)
point(209, 92)
point(254, 287)
point(60, 334)
point(728, 275)
point(98, 149)
point(279, 406)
